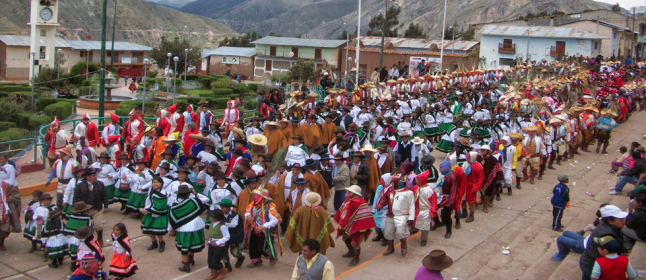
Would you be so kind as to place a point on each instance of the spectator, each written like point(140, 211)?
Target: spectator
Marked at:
point(375, 76)
point(349, 86)
point(341, 178)
point(432, 266)
point(310, 263)
point(635, 228)
point(632, 175)
point(611, 265)
point(383, 75)
point(575, 241)
point(621, 161)
point(393, 73)
point(560, 201)
point(613, 221)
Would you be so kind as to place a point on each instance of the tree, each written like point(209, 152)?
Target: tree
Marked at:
point(302, 71)
point(392, 21)
point(451, 32)
point(414, 31)
point(47, 77)
point(469, 34)
point(616, 8)
point(176, 48)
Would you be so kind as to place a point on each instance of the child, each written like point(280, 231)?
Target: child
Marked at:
point(76, 219)
point(56, 243)
point(384, 184)
point(88, 244)
point(122, 265)
point(218, 237)
point(89, 269)
point(611, 265)
point(621, 161)
point(560, 201)
point(236, 233)
point(40, 217)
point(30, 225)
point(155, 211)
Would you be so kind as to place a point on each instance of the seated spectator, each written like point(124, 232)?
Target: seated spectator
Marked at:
point(632, 175)
point(621, 161)
point(635, 228)
point(574, 241)
point(612, 264)
point(612, 221)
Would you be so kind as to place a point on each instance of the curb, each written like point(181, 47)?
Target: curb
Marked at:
point(27, 190)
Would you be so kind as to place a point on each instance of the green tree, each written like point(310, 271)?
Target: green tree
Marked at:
point(451, 32)
point(176, 48)
point(302, 71)
point(414, 31)
point(47, 77)
point(468, 34)
point(392, 21)
point(616, 8)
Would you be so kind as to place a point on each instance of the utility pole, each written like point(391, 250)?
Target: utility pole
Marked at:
point(358, 43)
point(114, 24)
point(442, 47)
point(185, 64)
point(102, 81)
point(383, 34)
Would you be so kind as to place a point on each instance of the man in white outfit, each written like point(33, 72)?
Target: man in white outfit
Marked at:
point(400, 203)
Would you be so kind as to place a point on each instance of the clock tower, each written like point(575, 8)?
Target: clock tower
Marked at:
point(44, 19)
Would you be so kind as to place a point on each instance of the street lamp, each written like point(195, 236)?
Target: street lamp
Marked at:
point(443, 29)
point(176, 59)
point(358, 42)
point(33, 77)
point(143, 99)
point(185, 64)
point(168, 71)
point(87, 62)
point(58, 64)
point(347, 65)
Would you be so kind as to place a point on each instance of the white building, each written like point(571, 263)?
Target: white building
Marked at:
point(502, 45)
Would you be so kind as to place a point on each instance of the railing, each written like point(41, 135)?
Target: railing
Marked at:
point(507, 48)
point(6, 147)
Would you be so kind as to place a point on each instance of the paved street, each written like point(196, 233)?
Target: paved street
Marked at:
point(521, 222)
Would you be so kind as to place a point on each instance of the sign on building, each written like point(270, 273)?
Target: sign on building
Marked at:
point(416, 60)
point(230, 60)
point(126, 60)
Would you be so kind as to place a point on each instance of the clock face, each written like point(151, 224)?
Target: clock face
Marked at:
point(46, 14)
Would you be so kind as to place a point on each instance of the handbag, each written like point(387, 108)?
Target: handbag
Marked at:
point(124, 187)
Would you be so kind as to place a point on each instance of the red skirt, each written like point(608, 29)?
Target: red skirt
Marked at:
point(122, 265)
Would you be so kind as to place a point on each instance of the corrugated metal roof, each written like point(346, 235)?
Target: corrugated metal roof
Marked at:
point(118, 46)
point(413, 43)
point(411, 53)
point(25, 41)
point(537, 31)
point(299, 42)
point(205, 53)
point(600, 22)
point(233, 51)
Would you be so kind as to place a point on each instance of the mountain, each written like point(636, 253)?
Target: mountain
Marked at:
point(328, 18)
point(171, 3)
point(137, 21)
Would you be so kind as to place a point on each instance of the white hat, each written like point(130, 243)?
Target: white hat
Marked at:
point(417, 140)
point(613, 211)
point(354, 189)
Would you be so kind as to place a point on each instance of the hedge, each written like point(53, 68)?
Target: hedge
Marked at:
point(125, 107)
point(6, 125)
point(253, 87)
point(242, 87)
point(61, 110)
point(22, 119)
point(14, 134)
point(223, 92)
point(36, 121)
point(193, 77)
point(23, 95)
point(207, 81)
point(15, 88)
point(251, 104)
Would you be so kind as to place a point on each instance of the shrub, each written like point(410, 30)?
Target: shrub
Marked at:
point(48, 77)
point(78, 68)
point(192, 77)
point(10, 109)
point(86, 90)
point(199, 92)
point(222, 83)
point(14, 88)
point(250, 104)
point(223, 92)
point(44, 102)
point(253, 87)
point(284, 77)
point(152, 74)
point(86, 83)
point(241, 87)
point(36, 121)
point(221, 102)
point(207, 81)
point(6, 125)
point(22, 119)
point(61, 110)
point(14, 134)
point(176, 80)
point(182, 102)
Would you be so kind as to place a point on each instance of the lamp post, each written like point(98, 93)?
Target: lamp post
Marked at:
point(176, 59)
point(185, 64)
point(87, 62)
point(33, 77)
point(114, 25)
point(347, 65)
point(102, 68)
point(383, 34)
point(443, 30)
point(358, 43)
point(58, 64)
point(347, 43)
point(168, 72)
point(143, 95)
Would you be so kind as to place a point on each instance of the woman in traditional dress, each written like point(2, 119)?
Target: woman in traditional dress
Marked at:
point(155, 220)
point(122, 187)
point(53, 238)
point(122, 265)
point(106, 169)
point(76, 219)
point(184, 219)
point(138, 180)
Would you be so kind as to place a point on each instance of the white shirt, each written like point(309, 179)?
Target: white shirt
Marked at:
point(225, 235)
point(8, 174)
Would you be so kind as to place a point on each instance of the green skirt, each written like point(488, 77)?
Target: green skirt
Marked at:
point(445, 127)
point(136, 201)
point(110, 190)
point(199, 188)
point(190, 241)
point(432, 131)
point(67, 210)
point(120, 196)
point(419, 133)
point(154, 225)
point(444, 146)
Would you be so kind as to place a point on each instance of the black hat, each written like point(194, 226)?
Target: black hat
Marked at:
point(104, 155)
point(45, 196)
point(54, 214)
point(216, 214)
point(238, 172)
point(428, 160)
point(193, 157)
point(339, 157)
point(219, 175)
point(237, 152)
point(123, 156)
point(83, 232)
point(300, 181)
point(215, 165)
point(78, 169)
point(165, 165)
point(89, 171)
point(309, 163)
point(298, 137)
point(241, 141)
point(184, 188)
point(168, 151)
point(252, 179)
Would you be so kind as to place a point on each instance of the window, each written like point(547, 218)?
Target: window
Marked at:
point(272, 51)
point(507, 43)
point(295, 51)
point(507, 61)
point(82, 54)
point(317, 54)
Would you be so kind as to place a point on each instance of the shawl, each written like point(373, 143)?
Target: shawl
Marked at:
point(497, 168)
point(124, 242)
point(294, 197)
point(355, 219)
point(93, 244)
point(275, 141)
point(184, 212)
point(316, 183)
point(375, 174)
point(158, 202)
point(310, 223)
point(10, 205)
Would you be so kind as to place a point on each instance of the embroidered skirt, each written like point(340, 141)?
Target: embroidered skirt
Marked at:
point(190, 241)
point(56, 246)
point(154, 225)
point(122, 265)
point(136, 201)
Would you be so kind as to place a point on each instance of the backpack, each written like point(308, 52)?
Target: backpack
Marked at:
point(16, 167)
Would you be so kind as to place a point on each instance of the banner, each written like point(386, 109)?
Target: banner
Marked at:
point(230, 60)
point(416, 60)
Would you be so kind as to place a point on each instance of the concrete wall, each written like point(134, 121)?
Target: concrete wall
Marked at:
point(245, 68)
point(608, 46)
point(538, 48)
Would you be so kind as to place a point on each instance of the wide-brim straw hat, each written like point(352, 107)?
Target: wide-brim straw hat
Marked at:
point(368, 148)
point(354, 189)
point(258, 139)
point(313, 95)
point(437, 260)
point(67, 151)
point(592, 108)
point(238, 131)
point(198, 137)
point(417, 140)
point(169, 139)
point(516, 136)
point(312, 199)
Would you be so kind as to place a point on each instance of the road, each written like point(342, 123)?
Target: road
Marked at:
point(521, 222)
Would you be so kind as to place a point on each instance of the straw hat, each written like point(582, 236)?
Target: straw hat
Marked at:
point(368, 148)
point(258, 139)
point(67, 151)
point(295, 93)
point(591, 108)
point(198, 137)
point(532, 128)
point(516, 136)
point(417, 140)
point(238, 131)
point(169, 139)
point(313, 95)
point(354, 189)
point(391, 81)
point(312, 199)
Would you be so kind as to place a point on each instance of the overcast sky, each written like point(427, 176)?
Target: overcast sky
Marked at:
point(626, 4)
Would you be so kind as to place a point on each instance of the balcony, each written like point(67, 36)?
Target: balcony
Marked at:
point(507, 48)
point(554, 51)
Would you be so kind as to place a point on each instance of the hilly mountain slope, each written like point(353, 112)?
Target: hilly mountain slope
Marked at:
point(328, 18)
point(137, 21)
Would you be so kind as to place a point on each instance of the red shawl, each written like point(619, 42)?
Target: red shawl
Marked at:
point(355, 219)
